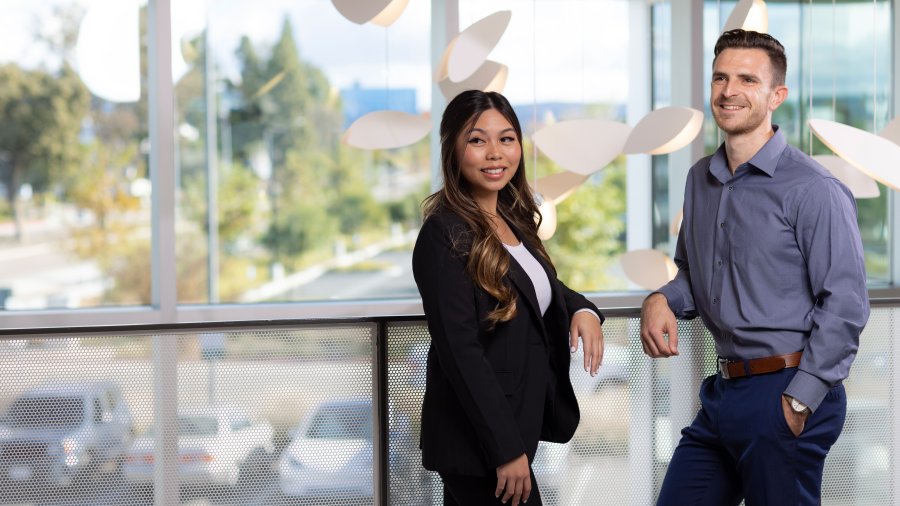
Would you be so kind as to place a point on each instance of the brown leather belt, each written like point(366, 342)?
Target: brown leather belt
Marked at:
point(730, 369)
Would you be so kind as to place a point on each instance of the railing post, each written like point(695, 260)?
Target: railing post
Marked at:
point(380, 416)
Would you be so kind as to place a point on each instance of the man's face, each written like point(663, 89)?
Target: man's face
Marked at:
point(743, 94)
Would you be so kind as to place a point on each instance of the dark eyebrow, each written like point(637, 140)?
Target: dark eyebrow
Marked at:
point(482, 131)
point(742, 76)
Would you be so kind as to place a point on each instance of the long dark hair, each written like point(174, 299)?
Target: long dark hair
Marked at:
point(488, 261)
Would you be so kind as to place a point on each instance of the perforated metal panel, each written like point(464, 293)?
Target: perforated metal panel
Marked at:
point(633, 411)
point(277, 416)
point(296, 405)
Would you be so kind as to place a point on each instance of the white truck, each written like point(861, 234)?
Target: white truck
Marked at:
point(65, 432)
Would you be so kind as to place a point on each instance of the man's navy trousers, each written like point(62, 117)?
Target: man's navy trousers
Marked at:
point(740, 446)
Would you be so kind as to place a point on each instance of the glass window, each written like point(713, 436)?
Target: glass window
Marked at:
point(839, 68)
point(75, 212)
point(263, 102)
point(569, 60)
point(661, 66)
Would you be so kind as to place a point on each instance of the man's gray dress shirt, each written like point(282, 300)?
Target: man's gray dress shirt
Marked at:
point(771, 260)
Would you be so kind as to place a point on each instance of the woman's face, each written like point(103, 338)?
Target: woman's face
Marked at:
point(488, 156)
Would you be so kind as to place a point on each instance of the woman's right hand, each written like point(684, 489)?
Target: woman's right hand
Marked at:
point(514, 480)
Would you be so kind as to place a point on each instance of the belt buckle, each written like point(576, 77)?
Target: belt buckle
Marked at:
point(722, 364)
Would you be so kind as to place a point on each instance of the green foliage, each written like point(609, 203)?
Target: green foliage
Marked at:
point(100, 186)
point(590, 232)
point(287, 112)
point(40, 118)
point(237, 201)
point(297, 229)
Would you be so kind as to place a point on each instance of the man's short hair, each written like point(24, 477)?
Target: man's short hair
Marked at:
point(746, 39)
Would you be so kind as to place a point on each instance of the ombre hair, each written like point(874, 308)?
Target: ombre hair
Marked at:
point(488, 261)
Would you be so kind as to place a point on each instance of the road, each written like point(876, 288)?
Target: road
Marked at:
point(393, 279)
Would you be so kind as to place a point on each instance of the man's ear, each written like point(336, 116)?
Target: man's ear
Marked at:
point(779, 95)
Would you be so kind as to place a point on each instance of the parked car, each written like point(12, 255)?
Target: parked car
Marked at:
point(330, 453)
point(216, 445)
point(62, 433)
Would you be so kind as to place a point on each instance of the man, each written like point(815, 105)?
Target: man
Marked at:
point(769, 256)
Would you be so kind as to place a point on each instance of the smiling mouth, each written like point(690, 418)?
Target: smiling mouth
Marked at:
point(731, 107)
point(493, 171)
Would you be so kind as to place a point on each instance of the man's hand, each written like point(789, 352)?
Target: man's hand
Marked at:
point(796, 421)
point(656, 321)
point(588, 327)
point(515, 478)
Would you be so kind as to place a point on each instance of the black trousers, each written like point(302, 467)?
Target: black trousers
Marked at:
point(461, 490)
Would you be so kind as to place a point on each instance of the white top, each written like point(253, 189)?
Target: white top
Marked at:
point(535, 272)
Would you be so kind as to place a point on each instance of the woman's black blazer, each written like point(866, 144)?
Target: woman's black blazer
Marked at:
point(490, 394)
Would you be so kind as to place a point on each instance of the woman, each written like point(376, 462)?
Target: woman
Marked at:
point(498, 365)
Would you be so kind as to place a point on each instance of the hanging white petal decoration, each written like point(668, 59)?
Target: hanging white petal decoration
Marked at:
point(875, 156)
point(474, 44)
point(360, 12)
point(547, 208)
point(891, 131)
point(387, 130)
point(557, 187)
point(390, 13)
point(583, 146)
point(861, 185)
point(189, 19)
point(440, 73)
point(648, 268)
point(664, 130)
point(749, 15)
point(489, 77)
point(108, 50)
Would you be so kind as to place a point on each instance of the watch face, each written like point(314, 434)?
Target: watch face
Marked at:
point(797, 406)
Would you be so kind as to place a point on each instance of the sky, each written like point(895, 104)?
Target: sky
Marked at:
point(575, 53)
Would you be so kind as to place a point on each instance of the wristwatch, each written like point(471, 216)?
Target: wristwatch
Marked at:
point(798, 406)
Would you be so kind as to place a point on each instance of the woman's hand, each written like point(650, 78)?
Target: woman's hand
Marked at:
point(515, 478)
point(586, 324)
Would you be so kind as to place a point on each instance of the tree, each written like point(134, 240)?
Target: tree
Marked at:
point(286, 112)
point(40, 118)
point(593, 216)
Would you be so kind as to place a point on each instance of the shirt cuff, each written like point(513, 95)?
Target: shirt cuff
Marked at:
point(807, 389)
point(589, 310)
point(673, 298)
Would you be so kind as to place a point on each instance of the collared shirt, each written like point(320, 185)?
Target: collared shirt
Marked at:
point(771, 260)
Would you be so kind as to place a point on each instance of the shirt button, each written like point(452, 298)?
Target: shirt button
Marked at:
point(719, 263)
point(730, 188)
point(716, 301)
point(722, 225)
